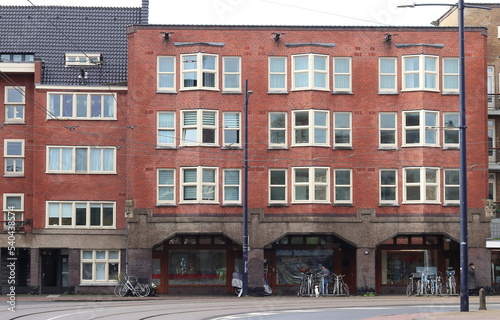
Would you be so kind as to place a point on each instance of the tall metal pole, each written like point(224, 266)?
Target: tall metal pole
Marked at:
point(245, 195)
point(464, 256)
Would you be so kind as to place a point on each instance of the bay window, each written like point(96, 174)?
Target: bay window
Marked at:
point(311, 185)
point(199, 71)
point(310, 72)
point(420, 72)
point(311, 127)
point(199, 185)
point(421, 185)
point(420, 128)
point(199, 127)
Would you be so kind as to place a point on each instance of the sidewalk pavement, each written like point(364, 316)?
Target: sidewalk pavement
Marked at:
point(473, 315)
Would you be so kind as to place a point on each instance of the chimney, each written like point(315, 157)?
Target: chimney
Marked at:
point(145, 12)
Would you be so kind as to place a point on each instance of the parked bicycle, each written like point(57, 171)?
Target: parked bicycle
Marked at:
point(131, 284)
point(340, 288)
point(451, 285)
point(411, 288)
point(306, 285)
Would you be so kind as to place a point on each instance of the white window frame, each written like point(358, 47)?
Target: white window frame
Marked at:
point(230, 127)
point(423, 185)
point(393, 186)
point(227, 75)
point(386, 128)
point(88, 163)
point(200, 185)
point(311, 72)
point(160, 185)
point(13, 158)
point(391, 75)
point(453, 75)
point(337, 185)
point(15, 110)
point(166, 131)
point(492, 186)
point(169, 74)
point(311, 185)
point(17, 212)
point(421, 73)
point(448, 185)
point(283, 186)
point(83, 59)
point(199, 71)
point(311, 127)
point(337, 74)
point(277, 74)
point(451, 128)
point(342, 128)
point(273, 128)
point(423, 128)
point(72, 205)
point(200, 126)
point(490, 82)
point(492, 141)
point(95, 261)
point(60, 111)
point(226, 185)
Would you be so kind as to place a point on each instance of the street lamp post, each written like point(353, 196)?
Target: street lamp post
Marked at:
point(245, 242)
point(464, 256)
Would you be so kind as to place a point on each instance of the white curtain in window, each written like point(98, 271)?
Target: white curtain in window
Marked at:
point(54, 155)
point(81, 159)
point(67, 159)
point(95, 159)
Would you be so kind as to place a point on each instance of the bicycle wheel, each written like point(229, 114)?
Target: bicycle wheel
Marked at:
point(346, 289)
point(419, 288)
point(117, 290)
point(409, 289)
point(122, 291)
point(142, 290)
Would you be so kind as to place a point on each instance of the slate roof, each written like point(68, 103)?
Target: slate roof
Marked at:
point(49, 32)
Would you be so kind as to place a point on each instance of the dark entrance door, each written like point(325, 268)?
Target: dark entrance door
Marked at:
point(52, 270)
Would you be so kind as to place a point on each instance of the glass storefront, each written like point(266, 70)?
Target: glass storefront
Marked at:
point(289, 263)
point(495, 266)
point(399, 264)
point(197, 267)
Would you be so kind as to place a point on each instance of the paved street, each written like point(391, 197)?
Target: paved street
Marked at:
point(83, 307)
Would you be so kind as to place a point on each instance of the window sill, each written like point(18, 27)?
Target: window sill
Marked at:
point(388, 148)
point(165, 205)
point(388, 204)
point(343, 148)
point(451, 148)
point(277, 92)
point(451, 205)
point(277, 148)
point(166, 148)
point(199, 202)
point(14, 122)
point(343, 205)
point(98, 284)
point(231, 148)
point(388, 92)
point(231, 205)
point(342, 92)
point(199, 89)
point(232, 92)
point(166, 91)
point(13, 175)
point(420, 90)
point(450, 93)
point(310, 145)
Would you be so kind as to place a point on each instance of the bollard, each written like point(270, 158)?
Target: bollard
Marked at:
point(482, 299)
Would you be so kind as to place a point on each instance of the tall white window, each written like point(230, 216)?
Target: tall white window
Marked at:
point(420, 128)
point(342, 74)
point(451, 132)
point(14, 104)
point(199, 185)
point(421, 185)
point(166, 186)
point(492, 186)
point(491, 87)
point(93, 160)
point(166, 73)
point(277, 186)
point(232, 129)
point(277, 129)
point(387, 75)
point(77, 214)
point(342, 130)
point(492, 151)
point(452, 186)
point(450, 75)
point(388, 130)
point(420, 72)
point(311, 127)
point(82, 106)
point(310, 72)
point(232, 186)
point(166, 128)
point(343, 186)
point(199, 71)
point(199, 127)
point(388, 186)
point(231, 75)
point(100, 266)
point(277, 74)
point(311, 185)
point(13, 157)
point(13, 206)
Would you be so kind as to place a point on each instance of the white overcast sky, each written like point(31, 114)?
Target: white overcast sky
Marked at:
point(274, 12)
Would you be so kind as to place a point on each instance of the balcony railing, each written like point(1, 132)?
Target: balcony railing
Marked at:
point(18, 226)
point(494, 101)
